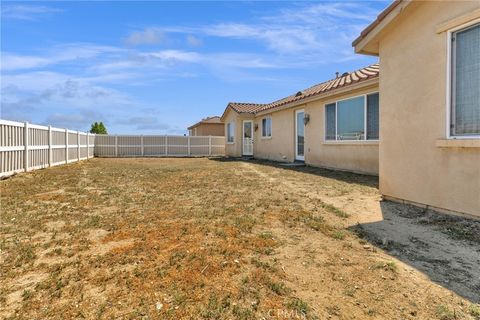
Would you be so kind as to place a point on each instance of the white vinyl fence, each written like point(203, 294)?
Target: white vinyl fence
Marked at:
point(158, 146)
point(25, 146)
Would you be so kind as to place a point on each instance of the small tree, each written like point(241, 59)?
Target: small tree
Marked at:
point(98, 128)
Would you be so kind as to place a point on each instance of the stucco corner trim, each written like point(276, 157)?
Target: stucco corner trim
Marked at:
point(458, 143)
point(458, 21)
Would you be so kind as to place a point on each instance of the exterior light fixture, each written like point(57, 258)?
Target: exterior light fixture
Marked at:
point(256, 126)
point(306, 118)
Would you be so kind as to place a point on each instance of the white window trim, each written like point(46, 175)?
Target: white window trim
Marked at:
point(336, 141)
point(232, 124)
point(271, 129)
point(449, 82)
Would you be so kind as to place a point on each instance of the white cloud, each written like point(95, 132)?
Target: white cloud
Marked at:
point(161, 59)
point(194, 41)
point(25, 12)
point(147, 36)
point(73, 52)
point(14, 62)
point(323, 29)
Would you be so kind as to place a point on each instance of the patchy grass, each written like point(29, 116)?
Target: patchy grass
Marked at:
point(445, 313)
point(474, 310)
point(187, 239)
point(386, 265)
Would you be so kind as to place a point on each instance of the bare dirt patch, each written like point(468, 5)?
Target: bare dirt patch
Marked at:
point(197, 238)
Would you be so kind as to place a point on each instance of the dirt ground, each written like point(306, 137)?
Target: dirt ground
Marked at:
point(221, 239)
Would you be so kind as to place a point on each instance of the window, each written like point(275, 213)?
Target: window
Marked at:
point(267, 127)
point(465, 82)
point(372, 116)
point(353, 119)
point(230, 132)
point(331, 122)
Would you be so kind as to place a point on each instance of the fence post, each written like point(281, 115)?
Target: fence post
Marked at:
point(209, 145)
point(141, 138)
point(25, 143)
point(116, 145)
point(88, 144)
point(166, 145)
point(50, 155)
point(66, 145)
point(78, 145)
point(188, 141)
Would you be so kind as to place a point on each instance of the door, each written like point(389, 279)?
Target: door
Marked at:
point(299, 135)
point(247, 137)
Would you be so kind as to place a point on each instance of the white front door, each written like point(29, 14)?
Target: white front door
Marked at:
point(247, 138)
point(299, 135)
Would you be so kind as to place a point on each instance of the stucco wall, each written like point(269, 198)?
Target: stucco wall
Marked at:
point(356, 156)
point(413, 114)
point(235, 149)
point(281, 146)
point(352, 156)
point(209, 129)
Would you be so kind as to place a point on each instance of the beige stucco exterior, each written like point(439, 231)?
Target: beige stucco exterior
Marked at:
point(417, 162)
point(281, 145)
point(234, 149)
point(356, 156)
point(207, 129)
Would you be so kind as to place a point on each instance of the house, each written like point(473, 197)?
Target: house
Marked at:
point(211, 126)
point(429, 151)
point(333, 124)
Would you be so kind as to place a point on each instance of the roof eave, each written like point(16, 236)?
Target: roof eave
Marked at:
point(367, 42)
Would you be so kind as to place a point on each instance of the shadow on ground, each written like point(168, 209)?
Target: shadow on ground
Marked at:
point(344, 176)
point(445, 248)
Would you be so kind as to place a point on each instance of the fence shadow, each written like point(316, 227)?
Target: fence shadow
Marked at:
point(344, 176)
point(445, 248)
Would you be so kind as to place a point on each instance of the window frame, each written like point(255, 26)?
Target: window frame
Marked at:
point(270, 136)
point(449, 79)
point(364, 140)
point(230, 124)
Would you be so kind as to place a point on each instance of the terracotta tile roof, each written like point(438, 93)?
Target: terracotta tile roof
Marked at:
point(377, 21)
point(345, 80)
point(241, 107)
point(214, 119)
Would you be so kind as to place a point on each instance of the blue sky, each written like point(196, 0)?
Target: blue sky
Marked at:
point(158, 67)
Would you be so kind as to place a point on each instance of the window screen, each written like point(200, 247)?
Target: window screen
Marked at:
point(230, 130)
point(372, 116)
point(330, 122)
point(267, 127)
point(465, 113)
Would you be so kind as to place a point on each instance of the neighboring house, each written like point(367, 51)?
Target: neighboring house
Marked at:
point(430, 98)
point(211, 126)
point(333, 124)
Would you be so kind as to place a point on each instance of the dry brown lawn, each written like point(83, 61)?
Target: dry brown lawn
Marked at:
point(202, 239)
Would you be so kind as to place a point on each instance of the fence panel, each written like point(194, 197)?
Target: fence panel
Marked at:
point(158, 146)
point(25, 146)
